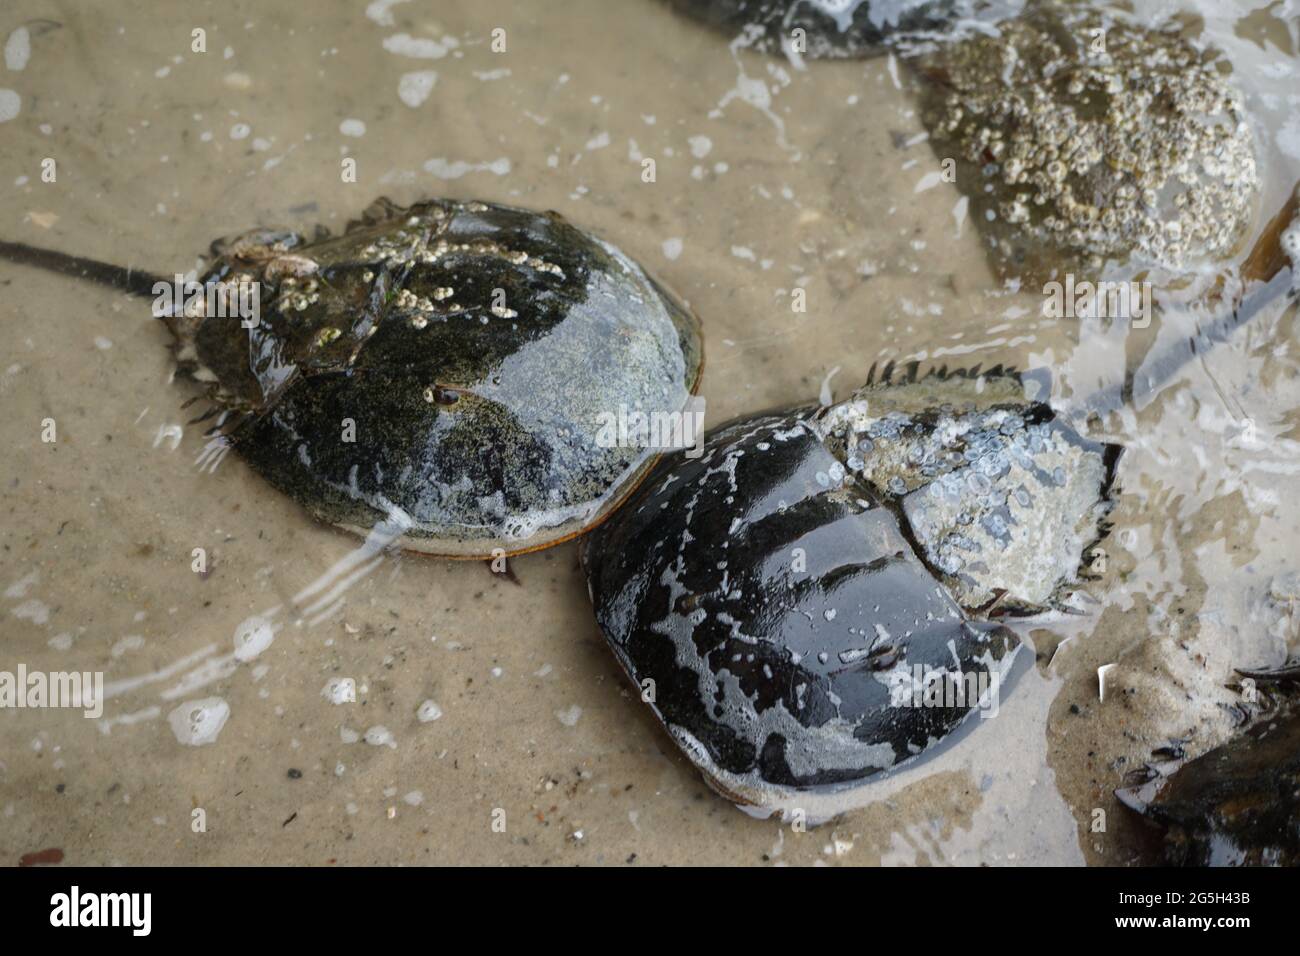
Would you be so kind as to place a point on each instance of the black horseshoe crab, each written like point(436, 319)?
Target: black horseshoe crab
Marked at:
point(471, 348)
point(1071, 152)
point(793, 601)
point(1236, 805)
point(807, 605)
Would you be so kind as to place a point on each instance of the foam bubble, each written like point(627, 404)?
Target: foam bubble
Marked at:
point(420, 48)
point(444, 169)
point(569, 717)
point(340, 690)
point(428, 711)
point(253, 636)
point(18, 49)
point(380, 11)
point(414, 88)
point(10, 104)
point(198, 722)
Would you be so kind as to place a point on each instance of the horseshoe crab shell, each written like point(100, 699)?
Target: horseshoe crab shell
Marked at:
point(778, 600)
point(446, 366)
point(1083, 137)
point(1236, 805)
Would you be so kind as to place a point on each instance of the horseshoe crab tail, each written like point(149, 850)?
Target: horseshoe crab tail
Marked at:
point(1267, 274)
point(126, 279)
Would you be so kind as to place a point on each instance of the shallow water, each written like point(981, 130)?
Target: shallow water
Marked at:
point(770, 177)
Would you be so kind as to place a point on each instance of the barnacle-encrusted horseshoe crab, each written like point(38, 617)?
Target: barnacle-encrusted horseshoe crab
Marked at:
point(1082, 136)
point(444, 365)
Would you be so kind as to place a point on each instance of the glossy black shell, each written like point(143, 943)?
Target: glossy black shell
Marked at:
point(770, 608)
point(804, 606)
point(1237, 805)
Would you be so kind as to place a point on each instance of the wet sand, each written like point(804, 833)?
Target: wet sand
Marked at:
point(768, 178)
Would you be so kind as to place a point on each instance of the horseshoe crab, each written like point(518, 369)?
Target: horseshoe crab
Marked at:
point(1237, 805)
point(803, 606)
point(445, 365)
point(1080, 137)
point(790, 601)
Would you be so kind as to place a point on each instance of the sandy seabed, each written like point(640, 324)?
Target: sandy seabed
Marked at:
point(769, 177)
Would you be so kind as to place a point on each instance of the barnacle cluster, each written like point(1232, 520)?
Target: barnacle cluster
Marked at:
point(297, 294)
point(1083, 134)
point(999, 495)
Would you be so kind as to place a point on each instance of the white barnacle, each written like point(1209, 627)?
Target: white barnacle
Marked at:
point(291, 266)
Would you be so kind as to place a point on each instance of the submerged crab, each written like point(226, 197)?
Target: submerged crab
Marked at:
point(1079, 136)
point(1082, 137)
point(445, 366)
